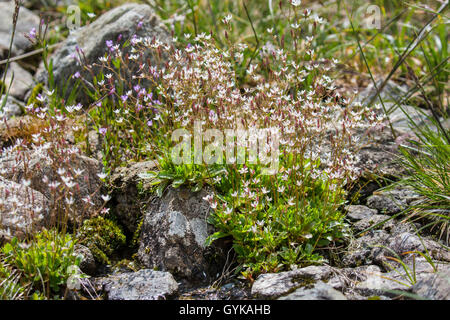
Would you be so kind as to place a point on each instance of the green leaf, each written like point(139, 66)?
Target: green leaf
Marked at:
point(148, 175)
point(160, 189)
point(166, 175)
point(215, 236)
point(197, 187)
point(178, 182)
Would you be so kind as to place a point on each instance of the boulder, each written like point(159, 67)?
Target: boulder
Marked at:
point(26, 21)
point(275, 285)
point(391, 92)
point(87, 264)
point(173, 234)
point(371, 221)
point(125, 199)
point(23, 211)
point(392, 201)
point(418, 277)
point(91, 40)
point(144, 284)
point(365, 249)
point(359, 212)
point(12, 107)
point(34, 165)
point(345, 279)
point(18, 80)
point(320, 291)
point(433, 286)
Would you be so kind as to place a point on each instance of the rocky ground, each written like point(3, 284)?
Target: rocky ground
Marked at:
point(172, 261)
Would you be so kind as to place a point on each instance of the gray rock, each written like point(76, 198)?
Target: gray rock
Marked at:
point(365, 249)
point(173, 236)
point(144, 284)
point(392, 201)
point(359, 212)
point(402, 280)
point(380, 154)
point(410, 242)
point(400, 121)
point(91, 40)
point(405, 242)
point(433, 286)
point(125, 196)
point(26, 21)
point(37, 165)
point(370, 221)
point(391, 92)
point(23, 211)
point(12, 107)
point(381, 284)
point(320, 291)
point(87, 264)
point(346, 278)
point(274, 285)
point(18, 80)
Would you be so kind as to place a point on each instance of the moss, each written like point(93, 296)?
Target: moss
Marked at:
point(102, 236)
point(137, 232)
point(34, 93)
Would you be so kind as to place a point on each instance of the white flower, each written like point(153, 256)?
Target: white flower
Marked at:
point(91, 15)
point(296, 3)
point(26, 183)
point(102, 175)
point(106, 198)
point(227, 18)
point(78, 171)
point(70, 200)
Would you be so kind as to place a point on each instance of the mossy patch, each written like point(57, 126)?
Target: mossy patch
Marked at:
point(102, 236)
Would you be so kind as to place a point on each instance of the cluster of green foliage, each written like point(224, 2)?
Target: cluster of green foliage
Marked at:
point(195, 176)
point(10, 288)
point(102, 236)
point(43, 265)
point(289, 238)
point(427, 161)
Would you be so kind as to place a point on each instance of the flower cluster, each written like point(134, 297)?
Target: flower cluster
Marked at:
point(294, 211)
point(47, 180)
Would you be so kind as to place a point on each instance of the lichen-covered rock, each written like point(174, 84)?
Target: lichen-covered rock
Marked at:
point(125, 200)
point(400, 280)
point(391, 92)
point(410, 242)
point(359, 212)
point(391, 201)
point(87, 264)
point(12, 107)
point(144, 284)
point(26, 21)
point(320, 291)
point(345, 279)
point(34, 166)
point(23, 211)
point(274, 285)
point(18, 80)
point(433, 286)
point(372, 221)
point(173, 234)
point(120, 22)
point(365, 249)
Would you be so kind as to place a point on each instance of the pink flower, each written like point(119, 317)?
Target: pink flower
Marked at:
point(32, 33)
